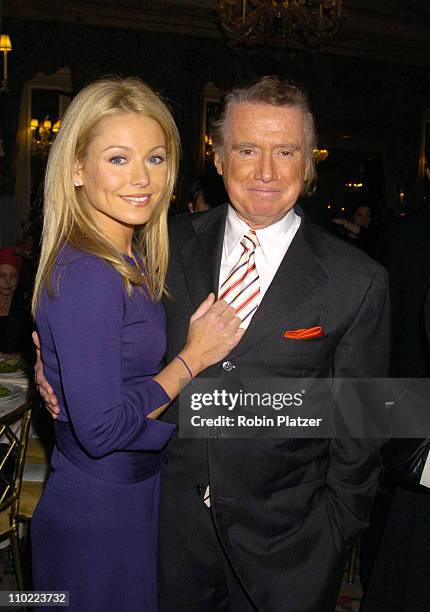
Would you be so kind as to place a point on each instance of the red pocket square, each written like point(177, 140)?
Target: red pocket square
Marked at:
point(305, 333)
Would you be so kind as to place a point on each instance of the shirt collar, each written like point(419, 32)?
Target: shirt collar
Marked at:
point(268, 237)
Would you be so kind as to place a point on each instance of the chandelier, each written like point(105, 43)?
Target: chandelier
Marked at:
point(310, 23)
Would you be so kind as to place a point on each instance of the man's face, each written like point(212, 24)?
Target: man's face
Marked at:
point(263, 161)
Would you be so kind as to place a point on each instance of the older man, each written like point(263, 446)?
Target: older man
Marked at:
point(282, 512)
point(263, 525)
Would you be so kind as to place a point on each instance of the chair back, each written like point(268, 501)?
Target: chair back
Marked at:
point(14, 430)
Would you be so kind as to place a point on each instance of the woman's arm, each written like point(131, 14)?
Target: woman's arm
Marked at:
point(86, 322)
point(350, 226)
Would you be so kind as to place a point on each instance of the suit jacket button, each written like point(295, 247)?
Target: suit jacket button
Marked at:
point(228, 366)
point(199, 490)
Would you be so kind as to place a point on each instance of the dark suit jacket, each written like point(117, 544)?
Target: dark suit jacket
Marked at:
point(15, 336)
point(405, 253)
point(427, 314)
point(399, 582)
point(284, 509)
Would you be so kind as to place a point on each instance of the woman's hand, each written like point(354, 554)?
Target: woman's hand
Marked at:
point(212, 333)
point(43, 386)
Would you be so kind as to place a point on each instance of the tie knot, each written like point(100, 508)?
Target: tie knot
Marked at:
point(250, 241)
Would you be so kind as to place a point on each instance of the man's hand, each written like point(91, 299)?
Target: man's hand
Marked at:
point(43, 386)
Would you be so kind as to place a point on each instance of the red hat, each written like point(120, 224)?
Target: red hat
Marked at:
point(8, 256)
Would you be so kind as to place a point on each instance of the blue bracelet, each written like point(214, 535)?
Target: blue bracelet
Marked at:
point(185, 364)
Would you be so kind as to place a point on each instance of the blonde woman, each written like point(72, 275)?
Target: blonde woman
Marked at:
point(109, 180)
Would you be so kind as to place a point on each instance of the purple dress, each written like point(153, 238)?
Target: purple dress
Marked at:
point(94, 531)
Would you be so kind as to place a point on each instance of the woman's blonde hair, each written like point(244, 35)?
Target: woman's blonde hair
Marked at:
point(67, 215)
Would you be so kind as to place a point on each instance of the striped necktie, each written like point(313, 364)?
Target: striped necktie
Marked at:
point(241, 289)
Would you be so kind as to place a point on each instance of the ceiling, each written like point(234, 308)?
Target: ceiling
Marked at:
point(391, 30)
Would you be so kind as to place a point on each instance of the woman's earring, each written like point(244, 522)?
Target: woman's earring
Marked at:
point(78, 184)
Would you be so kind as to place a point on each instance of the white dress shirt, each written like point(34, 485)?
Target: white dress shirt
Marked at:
point(274, 242)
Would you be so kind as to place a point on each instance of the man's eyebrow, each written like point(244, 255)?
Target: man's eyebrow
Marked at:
point(242, 145)
point(292, 146)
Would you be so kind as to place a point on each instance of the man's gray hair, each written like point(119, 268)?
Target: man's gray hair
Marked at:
point(277, 92)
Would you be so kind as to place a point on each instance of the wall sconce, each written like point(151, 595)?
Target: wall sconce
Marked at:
point(208, 146)
point(43, 135)
point(320, 155)
point(5, 46)
point(354, 185)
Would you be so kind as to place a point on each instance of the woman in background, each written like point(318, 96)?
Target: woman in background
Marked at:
point(359, 230)
point(109, 180)
point(206, 192)
point(14, 317)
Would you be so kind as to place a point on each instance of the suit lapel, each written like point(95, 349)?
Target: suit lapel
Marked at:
point(295, 282)
point(201, 254)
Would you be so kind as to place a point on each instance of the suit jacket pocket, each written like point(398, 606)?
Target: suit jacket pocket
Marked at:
point(306, 348)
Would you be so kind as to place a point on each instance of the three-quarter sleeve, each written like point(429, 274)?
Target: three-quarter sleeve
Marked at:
point(86, 326)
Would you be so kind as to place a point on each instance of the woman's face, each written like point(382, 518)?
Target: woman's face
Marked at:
point(124, 173)
point(8, 280)
point(362, 216)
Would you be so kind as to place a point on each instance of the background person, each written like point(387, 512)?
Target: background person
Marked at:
point(196, 201)
point(14, 316)
point(395, 559)
point(206, 192)
point(359, 230)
